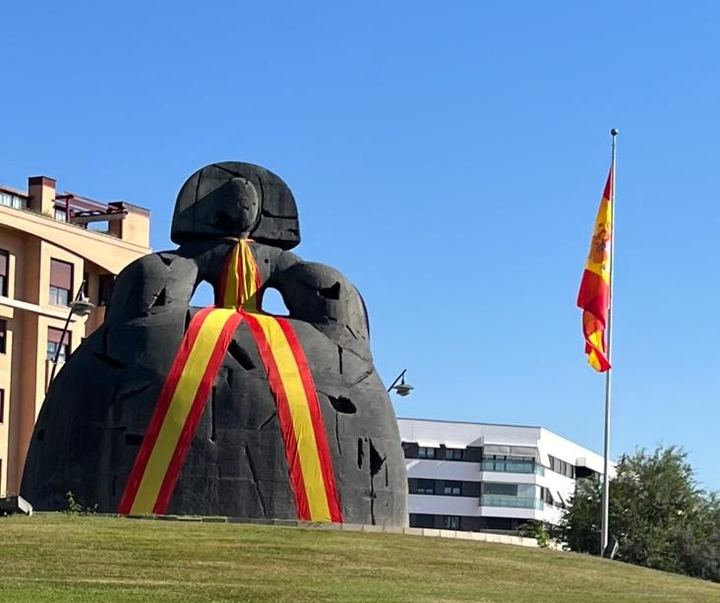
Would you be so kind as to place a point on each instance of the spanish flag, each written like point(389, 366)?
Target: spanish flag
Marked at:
point(594, 295)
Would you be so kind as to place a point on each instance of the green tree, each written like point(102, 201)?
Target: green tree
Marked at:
point(658, 514)
point(580, 527)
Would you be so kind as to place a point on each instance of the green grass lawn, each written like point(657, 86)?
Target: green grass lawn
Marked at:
point(75, 558)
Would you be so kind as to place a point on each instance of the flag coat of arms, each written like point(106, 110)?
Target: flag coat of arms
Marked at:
point(595, 290)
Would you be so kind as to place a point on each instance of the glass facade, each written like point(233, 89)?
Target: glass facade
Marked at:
point(513, 502)
point(507, 464)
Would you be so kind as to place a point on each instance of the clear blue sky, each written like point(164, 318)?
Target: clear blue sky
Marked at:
point(447, 157)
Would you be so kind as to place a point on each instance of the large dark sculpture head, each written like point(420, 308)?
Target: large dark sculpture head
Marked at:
point(236, 199)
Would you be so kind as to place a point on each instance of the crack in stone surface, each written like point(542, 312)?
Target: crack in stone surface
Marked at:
point(240, 355)
point(112, 362)
point(267, 421)
point(255, 481)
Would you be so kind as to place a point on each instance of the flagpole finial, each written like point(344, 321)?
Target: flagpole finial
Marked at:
point(614, 132)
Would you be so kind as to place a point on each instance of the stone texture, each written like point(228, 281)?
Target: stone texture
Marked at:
point(97, 410)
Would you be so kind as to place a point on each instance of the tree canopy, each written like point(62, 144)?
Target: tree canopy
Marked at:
point(658, 514)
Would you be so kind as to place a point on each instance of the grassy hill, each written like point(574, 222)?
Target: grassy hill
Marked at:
point(74, 558)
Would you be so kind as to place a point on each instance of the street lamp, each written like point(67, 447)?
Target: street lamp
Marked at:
point(80, 306)
point(402, 389)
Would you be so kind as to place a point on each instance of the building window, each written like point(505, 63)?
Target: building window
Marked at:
point(418, 520)
point(2, 405)
point(4, 270)
point(425, 486)
point(61, 279)
point(3, 336)
point(60, 214)
point(501, 489)
point(562, 467)
point(451, 522)
point(452, 488)
point(9, 200)
point(425, 452)
point(58, 345)
point(454, 454)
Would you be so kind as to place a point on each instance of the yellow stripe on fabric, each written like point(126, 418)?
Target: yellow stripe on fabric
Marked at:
point(301, 419)
point(230, 299)
point(249, 283)
point(178, 411)
point(602, 232)
point(596, 339)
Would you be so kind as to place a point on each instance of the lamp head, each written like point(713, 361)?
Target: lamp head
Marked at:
point(81, 307)
point(403, 389)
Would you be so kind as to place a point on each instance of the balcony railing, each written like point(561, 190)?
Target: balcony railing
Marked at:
point(513, 502)
point(512, 467)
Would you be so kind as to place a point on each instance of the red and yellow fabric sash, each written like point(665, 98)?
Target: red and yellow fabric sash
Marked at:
point(184, 395)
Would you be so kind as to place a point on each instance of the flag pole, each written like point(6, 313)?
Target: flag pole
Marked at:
point(608, 374)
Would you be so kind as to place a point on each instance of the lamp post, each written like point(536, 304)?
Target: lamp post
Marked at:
point(80, 306)
point(402, 389)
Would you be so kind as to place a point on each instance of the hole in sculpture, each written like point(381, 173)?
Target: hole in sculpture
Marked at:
point(273, 303)
point(332, 292)
point(376, 461)
point(343, 404)
point(160, 299)
point(203, 296)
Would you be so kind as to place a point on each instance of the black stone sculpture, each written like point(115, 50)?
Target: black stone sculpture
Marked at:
point(97, 411)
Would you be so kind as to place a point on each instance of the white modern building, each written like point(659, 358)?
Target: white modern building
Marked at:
point(480, 477)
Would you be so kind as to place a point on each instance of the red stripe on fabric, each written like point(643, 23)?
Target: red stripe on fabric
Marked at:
point(594, 295)
point(317, 420)
point(286, 426)
point(198, 406)
point(161, 408)
point(607, 192)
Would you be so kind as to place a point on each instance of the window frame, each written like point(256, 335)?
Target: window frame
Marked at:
point(55, 291)
point(454, 454)
point(64, 354)
point(5, 282)
point(452, 488)
point(423, 452)
point(425, 489)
